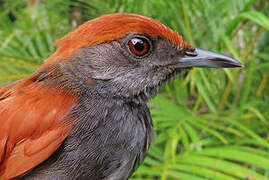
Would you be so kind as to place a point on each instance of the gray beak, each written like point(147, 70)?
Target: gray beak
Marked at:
point(205, 58)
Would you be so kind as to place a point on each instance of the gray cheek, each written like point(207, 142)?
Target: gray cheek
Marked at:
point(117, 73)
point(104, 61)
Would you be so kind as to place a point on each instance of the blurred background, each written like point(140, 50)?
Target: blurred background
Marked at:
point(212, 124)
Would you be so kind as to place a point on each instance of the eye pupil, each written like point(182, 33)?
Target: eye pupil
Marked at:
point(138, 46)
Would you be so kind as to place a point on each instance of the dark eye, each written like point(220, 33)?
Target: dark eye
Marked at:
point(138, 46)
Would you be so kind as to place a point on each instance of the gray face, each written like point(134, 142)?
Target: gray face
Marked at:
point(118, 72)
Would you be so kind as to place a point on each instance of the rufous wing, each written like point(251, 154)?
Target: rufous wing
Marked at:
point(33, 125)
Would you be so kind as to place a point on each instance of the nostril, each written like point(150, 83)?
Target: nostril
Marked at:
point(191, 53)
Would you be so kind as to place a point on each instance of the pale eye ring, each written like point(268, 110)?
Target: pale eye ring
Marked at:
point(139, 46)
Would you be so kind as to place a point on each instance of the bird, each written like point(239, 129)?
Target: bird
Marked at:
point(83, 113)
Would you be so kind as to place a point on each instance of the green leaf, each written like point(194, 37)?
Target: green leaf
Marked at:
point(256, 17)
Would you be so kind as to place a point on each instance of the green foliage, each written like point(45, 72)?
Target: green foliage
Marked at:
point(211, 123)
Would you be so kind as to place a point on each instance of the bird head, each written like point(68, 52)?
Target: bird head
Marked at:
point(127, 56)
